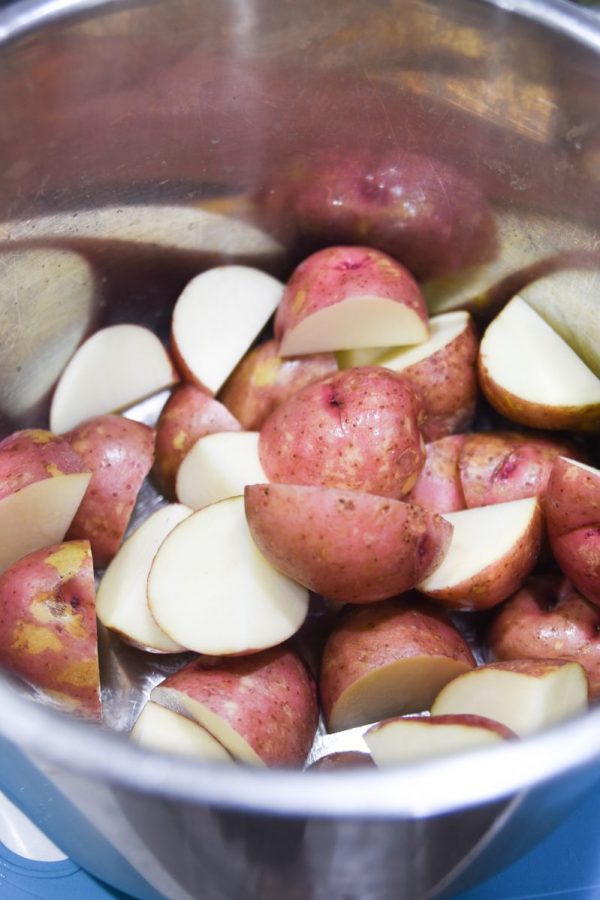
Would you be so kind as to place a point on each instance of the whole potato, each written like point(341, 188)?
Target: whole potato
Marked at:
point(357, 429)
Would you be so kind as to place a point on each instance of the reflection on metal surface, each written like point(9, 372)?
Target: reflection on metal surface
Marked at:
point(47, 300)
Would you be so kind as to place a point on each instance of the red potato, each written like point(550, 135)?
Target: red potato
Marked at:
point(532, 376)
point(498, 466)
point(405, 740)
point(388, 659)
point(573, 517)
point(542, 621)
point(438, 487)
point(492, 551)
point(443, 371)
point(261, 708)
point(119, 453)
point(134, 365)
point(414, 207)
point(42, 482)
point(342, 759)
point(160, 729)
point(188, 415)
point(343, 298)
point(357, 429)
point(48, 626)
point(263, 379)
point(526, 695)
point(345, 545)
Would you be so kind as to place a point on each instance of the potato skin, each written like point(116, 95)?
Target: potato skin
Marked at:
point(498, 466)
point(448, 386)
point(48, 625)
point(336, 274)
point(119, 453)
point(357, 429)
point(543, 621)
point(32, 455)
point(573, 517)
point(369, 638)
point(342, 759)
point(188, 415)
point(268, 698)
point(416, 208)
point(438, 487)
point(262, 380)
point(345, 545)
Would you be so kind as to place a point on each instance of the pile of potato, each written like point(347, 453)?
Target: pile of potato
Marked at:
point(328, 517)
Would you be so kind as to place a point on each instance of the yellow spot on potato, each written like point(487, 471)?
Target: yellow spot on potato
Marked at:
point(39, 436)
point(48, 609)
point(179, 440)
point(34, 639)
point(299, 300)
point(82, 674)
point(266, 372)
point(53, 470)
point(69, 560)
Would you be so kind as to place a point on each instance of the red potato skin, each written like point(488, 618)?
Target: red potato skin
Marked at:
point(336, 274)
point(573, 516)
point(448, 385)
point(506, 465)
point(268, 698)
point(262, 380)
point(498, 581)
point(48, 625)
point(544, 620)
point(573, 497)
point(419, 210)
point(188, 415)
point(438, 487)
point(357, 429)
point(343, 759)
point(467, 719)
point(367, 638)
point(34, 455)
point(119, 453)
point(348, 546)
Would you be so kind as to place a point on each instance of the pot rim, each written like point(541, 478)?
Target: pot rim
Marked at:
point(429, 788)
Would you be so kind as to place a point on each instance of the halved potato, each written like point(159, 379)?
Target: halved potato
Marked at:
point(159, 728)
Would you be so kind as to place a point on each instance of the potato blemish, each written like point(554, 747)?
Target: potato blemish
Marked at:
point(69, 560)
point(83, 674)
point(34, 639)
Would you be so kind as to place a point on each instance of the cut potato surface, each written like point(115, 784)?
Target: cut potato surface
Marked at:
point(354, 323)
point(405, 686)
point(233, 302)
point(159, 728)
point(219, 466)
point(492, 550)
point(39, 515)
point(444, 329)
point(115, 368)
point(531, 375)
point(212, 591)
point(122, 600)
point(524, 695)
point(401, 741)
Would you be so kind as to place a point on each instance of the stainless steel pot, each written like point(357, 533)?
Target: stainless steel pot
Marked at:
point(134, 141)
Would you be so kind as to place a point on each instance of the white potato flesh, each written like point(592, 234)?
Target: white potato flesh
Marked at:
point(214, 724)
point(39, 515)
point(405, 686)
point(524, 356)
point(218, 315)
point(403, 741)
point(525, 703)
point(354, 323)
point(158, 728)
point(218, 466)
point(122, 600)
point(116, 367)
point(211, 590)
point(444, 329)
point(503, 525)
